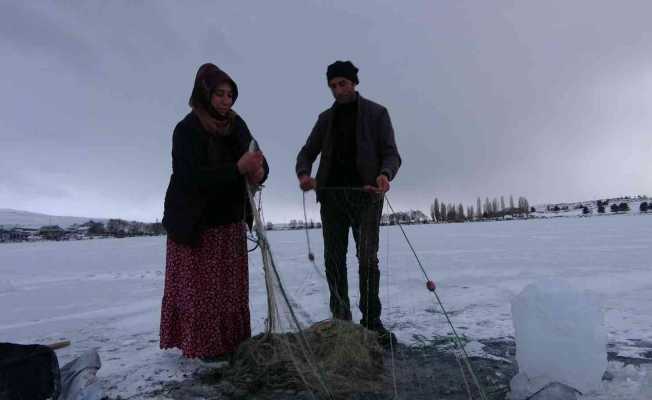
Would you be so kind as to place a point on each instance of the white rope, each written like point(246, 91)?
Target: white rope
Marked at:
point(271, 274)
point(359, 252)
point(466, 381)
point(457, 341)
point(269, 267)
point(389, 307)
point(311, 255)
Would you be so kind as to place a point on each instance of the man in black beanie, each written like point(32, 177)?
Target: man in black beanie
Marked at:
point(359, 158)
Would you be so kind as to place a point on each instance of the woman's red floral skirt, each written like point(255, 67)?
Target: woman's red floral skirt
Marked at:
point(205, 310)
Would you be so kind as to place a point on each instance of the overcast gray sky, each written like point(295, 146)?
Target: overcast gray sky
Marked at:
point(549, 100)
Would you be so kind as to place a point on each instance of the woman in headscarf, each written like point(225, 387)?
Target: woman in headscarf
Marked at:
point(205, 310)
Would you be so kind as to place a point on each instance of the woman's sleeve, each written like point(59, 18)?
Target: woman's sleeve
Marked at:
point(194, 177)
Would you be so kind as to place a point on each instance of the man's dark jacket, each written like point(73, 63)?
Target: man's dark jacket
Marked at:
point(206, 189)
point(376, 151)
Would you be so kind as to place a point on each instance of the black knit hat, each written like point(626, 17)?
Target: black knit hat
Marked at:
point(342, 69)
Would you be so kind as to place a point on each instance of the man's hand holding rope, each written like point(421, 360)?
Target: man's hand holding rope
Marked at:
point(382, 185)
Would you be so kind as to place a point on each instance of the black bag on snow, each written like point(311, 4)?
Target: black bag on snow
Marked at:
point(28, 372)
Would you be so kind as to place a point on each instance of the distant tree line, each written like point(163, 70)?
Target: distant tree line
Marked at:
point(490, 209)
point(618, 205)
point(119, 227)
point(292, 225)
point(404, 217)
point(622, 207)
point(615, 207)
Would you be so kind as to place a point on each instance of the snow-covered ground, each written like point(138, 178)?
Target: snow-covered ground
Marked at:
point(106, 293)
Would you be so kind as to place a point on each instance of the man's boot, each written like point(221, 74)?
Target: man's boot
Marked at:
point(385, 337)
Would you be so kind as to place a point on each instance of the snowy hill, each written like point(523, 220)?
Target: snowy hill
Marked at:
point(26, 219)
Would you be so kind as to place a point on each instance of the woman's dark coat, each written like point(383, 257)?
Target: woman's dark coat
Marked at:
point(206, 188)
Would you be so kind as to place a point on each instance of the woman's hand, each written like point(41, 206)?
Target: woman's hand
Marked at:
point(256, 177)
point(306, 182)
point(250, 163)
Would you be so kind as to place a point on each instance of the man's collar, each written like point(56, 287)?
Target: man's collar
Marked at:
point(357, 100)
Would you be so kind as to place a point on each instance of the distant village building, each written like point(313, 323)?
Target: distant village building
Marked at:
point(16, 234)
point(52, 232)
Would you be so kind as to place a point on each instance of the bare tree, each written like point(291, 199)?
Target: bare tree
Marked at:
point(523, 206)
point(452, 213)
point(460, 217)
point(478, 208)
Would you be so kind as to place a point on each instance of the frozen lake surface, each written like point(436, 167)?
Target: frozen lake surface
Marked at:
point(106, 294)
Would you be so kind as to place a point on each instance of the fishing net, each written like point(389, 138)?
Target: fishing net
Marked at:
point(343, 358)
point(334, 358)
point(328, 359)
